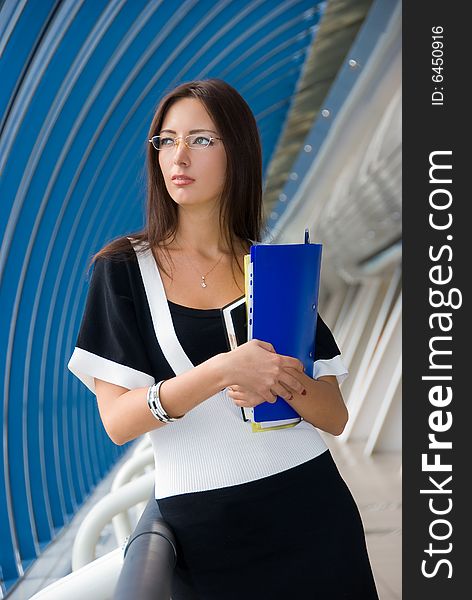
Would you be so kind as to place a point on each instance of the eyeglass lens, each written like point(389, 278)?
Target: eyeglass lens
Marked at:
point(195, 141)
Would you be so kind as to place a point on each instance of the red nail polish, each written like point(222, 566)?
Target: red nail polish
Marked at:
point(304, 393)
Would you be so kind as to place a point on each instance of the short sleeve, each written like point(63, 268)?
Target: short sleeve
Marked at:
point(109, 345)
point(328, 360)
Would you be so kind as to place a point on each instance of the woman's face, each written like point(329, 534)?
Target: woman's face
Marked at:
point(205, 166)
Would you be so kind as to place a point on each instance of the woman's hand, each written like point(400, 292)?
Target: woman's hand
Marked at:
point(243, 398)
point(258, 374)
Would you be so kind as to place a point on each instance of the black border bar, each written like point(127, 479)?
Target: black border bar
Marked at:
point(437, 260)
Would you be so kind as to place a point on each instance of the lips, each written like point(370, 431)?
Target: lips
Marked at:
point(182, 178)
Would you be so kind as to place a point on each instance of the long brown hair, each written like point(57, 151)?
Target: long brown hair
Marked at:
point(241, 211)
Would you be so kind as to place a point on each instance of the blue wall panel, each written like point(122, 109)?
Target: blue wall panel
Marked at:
point(80, 83)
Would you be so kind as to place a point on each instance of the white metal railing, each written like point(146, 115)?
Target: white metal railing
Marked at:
point(97, 577)
point(96, 580)
point(130, 470)
point(102, 513)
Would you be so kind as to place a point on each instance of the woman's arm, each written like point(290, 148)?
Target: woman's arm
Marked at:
point(323, 404)
point(254, 365)
point(125, 413)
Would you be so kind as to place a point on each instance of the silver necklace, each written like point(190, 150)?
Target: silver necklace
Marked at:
point(203, 282)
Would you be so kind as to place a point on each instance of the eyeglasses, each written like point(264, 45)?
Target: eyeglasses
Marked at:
point(193, 142)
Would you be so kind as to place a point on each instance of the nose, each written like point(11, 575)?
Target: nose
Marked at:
point(181, 152)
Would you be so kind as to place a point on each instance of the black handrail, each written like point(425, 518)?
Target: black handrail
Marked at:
point(149, 559)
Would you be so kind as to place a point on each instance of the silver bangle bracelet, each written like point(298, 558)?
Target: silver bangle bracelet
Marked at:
point(155, 405)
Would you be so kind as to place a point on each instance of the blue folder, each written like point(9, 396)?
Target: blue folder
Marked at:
point(283, 308)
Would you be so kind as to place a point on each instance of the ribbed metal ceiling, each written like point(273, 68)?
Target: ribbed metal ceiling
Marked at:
point(345, 182)
point(334, 37)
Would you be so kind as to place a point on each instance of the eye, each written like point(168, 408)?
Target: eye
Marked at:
point(166, 141)
point(201, 140)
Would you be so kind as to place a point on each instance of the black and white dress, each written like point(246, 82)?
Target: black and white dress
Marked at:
point(256, 515)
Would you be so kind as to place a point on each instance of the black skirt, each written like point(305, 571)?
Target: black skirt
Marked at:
point(297, 534)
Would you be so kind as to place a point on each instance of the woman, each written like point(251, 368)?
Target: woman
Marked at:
point(256, 515)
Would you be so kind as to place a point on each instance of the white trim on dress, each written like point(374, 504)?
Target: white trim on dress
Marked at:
point(160, 313)
point(330, 366)
point(86, 365)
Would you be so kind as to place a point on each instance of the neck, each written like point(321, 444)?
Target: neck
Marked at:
point(199, 233)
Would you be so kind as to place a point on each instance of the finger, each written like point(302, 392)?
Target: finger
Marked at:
point(242, 404)
point(266, 345)
point(271, 398)
point(295, 373)
point(237, 392)
point(291, 362)
point(234, 388)
point(246, 400)
point(283, 392)
point(293, 385)
point(243, 397)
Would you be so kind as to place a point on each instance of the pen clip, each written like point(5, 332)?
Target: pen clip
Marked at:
point(307, 236)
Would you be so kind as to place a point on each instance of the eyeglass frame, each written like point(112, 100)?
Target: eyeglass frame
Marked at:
point(184, 139)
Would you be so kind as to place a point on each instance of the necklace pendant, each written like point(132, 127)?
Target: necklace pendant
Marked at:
point(203, 284)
